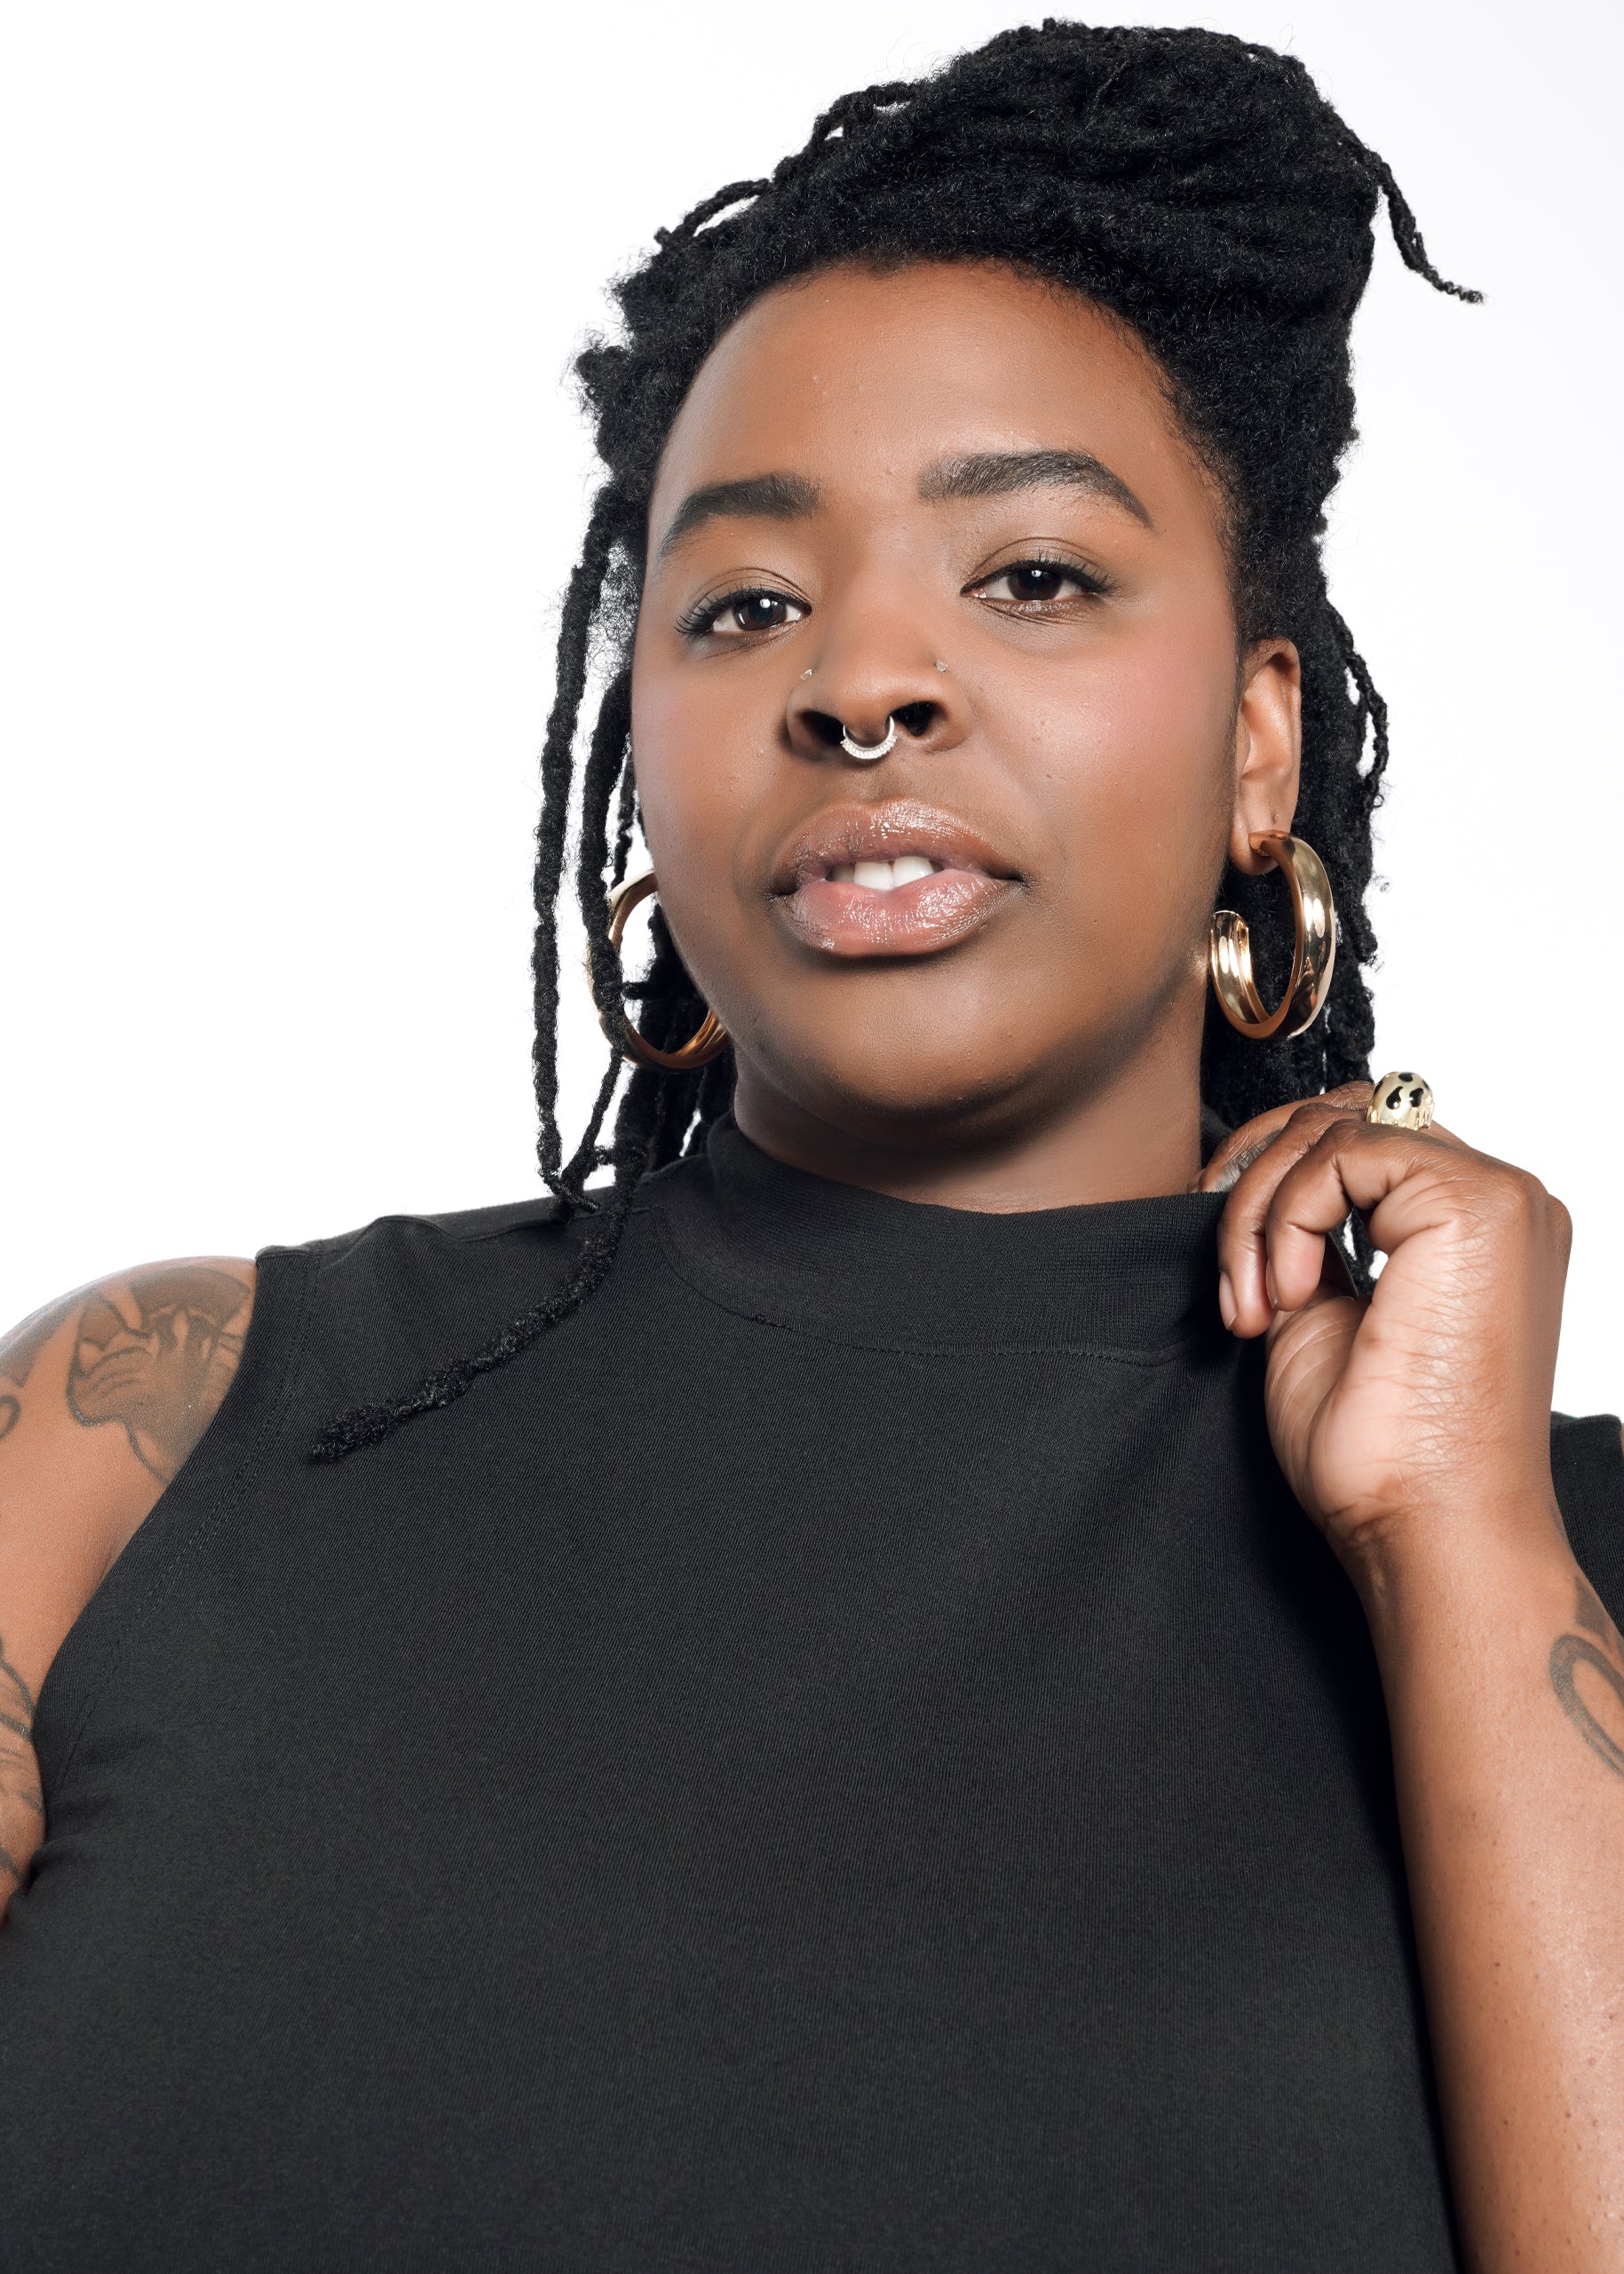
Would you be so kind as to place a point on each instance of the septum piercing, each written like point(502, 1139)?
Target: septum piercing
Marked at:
point(868, 751)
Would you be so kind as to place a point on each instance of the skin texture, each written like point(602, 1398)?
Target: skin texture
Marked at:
point(1096, 745)
point(1024, 1033)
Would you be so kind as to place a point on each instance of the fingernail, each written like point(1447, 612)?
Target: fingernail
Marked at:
point(1274, 1300)
point(1226, 1300)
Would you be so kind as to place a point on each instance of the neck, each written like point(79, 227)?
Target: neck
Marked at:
point(1134, 1135)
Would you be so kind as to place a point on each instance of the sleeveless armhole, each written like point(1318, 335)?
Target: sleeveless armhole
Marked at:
point(207, 1490)
point(1586, 1462)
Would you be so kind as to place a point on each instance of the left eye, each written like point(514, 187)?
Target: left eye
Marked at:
point(1038, 584)
point(747, 612)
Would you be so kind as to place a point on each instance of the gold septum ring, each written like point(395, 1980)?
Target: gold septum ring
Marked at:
point(1401, 1101)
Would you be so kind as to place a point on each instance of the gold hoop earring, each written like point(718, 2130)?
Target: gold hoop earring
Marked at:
point(707, 1043)
point(1229, 953)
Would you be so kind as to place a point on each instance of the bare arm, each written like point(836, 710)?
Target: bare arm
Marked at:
point(1505, 1691)
point(1415, 1427)
point(102, 1397)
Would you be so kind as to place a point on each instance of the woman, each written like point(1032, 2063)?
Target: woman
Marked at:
point(923, 1678)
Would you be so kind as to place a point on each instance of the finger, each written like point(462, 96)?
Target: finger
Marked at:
point(1245, 1296)
point(1242, 1147)
point(1355, 1164)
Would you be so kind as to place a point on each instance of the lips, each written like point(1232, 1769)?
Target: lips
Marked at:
point(894, 879)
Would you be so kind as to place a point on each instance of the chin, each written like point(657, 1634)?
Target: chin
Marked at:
point(912, 1093)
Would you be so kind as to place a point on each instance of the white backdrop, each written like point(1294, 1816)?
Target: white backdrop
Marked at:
point(291, 478)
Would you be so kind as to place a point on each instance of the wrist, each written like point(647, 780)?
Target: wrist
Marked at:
point(1489, 1559)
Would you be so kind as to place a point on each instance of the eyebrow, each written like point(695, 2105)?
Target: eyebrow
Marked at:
point(758, 498)
point(995, 473)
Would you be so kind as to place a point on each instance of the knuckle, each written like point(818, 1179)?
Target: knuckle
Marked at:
point(1258, 1158)
point(1315, 1110)
point(1241, 1147)
point(1532, 1196)
point(1279, 1214)
point(1237, 1154)
point(1518, 1200)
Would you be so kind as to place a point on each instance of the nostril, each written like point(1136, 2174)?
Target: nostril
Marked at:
point(914, 718)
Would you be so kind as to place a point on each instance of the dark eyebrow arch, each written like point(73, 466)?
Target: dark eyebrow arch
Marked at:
point(761, 497)
point(994, 473)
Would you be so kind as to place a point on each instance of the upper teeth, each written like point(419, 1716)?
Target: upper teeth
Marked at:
point(883, 875)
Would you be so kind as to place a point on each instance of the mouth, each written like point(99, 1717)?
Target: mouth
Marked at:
point(893, 879)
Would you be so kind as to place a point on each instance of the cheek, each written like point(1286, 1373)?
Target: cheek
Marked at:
point(1151, 763)
point(675, 784)
point(695, 774)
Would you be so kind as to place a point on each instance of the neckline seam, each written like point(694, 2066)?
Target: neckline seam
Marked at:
point(1141, 1356)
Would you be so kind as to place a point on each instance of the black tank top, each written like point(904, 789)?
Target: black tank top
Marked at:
point(845, 1756)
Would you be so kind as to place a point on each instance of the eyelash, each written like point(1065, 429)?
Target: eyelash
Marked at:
point(702, 619)
point(1090, 584)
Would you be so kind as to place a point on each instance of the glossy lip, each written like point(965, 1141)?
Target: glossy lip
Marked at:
point(971, 880)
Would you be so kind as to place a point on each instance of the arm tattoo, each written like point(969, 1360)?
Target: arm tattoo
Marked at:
point(20, 1348)
point(155, 1356)
point(154, 1353)
point(21, 1802)
point(1570, 1651)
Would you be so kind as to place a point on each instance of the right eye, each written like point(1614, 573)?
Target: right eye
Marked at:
point(736, 614)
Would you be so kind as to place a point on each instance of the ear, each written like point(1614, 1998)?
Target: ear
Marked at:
point(1268, 749)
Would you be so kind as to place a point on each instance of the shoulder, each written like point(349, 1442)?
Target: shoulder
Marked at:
point(508, 1221)
point(359, 1316)
point(411, 1285)
point(103, 1394)
point(145, 1356)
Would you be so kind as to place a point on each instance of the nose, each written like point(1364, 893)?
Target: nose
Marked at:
point(859, 707)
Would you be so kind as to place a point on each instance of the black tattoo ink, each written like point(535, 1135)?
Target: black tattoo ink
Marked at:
point(10, 1413)
point(1567, 1652)
point(20, 1348)
point(162, 1378)
point(22, 1805)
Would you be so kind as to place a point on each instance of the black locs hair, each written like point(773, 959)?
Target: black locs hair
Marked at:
point(1197, 185)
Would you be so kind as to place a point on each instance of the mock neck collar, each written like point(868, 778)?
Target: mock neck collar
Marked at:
point(790, 1250)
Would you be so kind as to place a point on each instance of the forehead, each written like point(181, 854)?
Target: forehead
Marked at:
point(855, 378)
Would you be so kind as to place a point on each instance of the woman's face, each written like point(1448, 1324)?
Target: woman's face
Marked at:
point(954, 497)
